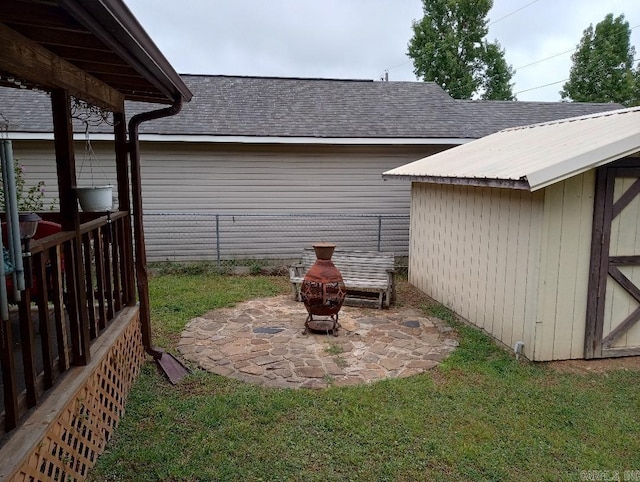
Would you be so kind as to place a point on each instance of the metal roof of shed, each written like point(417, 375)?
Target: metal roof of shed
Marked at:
point(532, 157)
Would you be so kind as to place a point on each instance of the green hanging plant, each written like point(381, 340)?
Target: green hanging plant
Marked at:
point(30, 199)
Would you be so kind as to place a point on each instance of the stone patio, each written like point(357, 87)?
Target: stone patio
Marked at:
point(261, 341)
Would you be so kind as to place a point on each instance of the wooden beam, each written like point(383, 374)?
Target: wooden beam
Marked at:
point(622, 328)
point(45, 35)
point(124, 204)
point(46, 333)
point(631, 161)
point(102, 67)
point(145, 97)
point(629, 170)
point(132, 82)
point(75, 55)
point(30, 61)
point(28, 13)
point(70, 221)
point(600, 239)
point(28, 341)
point(625, 282)
point(628, 196)
point(624, 260)
point(7, 362)
point(618, 352)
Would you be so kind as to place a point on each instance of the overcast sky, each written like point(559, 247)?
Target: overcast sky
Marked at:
point(360, 39)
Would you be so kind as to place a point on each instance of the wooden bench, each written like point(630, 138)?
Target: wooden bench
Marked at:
point(368, 276)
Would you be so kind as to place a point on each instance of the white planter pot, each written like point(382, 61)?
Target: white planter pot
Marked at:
point(95, 198)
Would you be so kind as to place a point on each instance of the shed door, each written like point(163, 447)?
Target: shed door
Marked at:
point(613, 307)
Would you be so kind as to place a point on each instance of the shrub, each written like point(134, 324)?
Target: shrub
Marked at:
point(30, 199)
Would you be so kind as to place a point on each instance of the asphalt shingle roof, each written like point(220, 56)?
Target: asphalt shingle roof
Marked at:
point(320, 108)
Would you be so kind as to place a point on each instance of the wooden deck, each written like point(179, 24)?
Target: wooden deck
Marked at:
point(14, 318)
point(73, 301)
point(62, 438)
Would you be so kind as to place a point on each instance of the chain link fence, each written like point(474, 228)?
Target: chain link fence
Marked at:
point(235, 238)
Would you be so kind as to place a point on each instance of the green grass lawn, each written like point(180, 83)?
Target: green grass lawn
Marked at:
point(481, 415)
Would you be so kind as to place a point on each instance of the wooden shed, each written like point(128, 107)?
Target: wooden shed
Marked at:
point(533, 234)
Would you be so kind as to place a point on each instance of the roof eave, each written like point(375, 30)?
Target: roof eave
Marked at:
point(585, 162)
point(520, 184)
point(215, 139)
point(113, 23)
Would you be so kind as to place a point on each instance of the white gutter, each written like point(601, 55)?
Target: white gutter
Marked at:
point(364, 141)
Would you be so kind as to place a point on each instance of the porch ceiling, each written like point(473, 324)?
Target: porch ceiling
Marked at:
point(95, 49)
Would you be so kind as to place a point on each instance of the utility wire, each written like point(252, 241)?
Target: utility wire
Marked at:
point(509, 14)
point(399, 65)
point(546, 58)
point(554, 83)
point(541, 86)
point(561, 53)
point(556, 55)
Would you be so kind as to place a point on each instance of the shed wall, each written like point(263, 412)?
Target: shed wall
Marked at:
point(477, 251)
point(512, 262)
point(564, 272)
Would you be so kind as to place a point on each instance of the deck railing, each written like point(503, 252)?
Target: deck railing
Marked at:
point(70, 303)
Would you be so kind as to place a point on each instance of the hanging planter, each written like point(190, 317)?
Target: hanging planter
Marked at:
point(97, 197)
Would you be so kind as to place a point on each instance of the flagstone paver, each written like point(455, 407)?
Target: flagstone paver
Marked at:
point(261, 341)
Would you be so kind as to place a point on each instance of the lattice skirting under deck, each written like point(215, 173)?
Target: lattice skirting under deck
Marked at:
point(78, 435)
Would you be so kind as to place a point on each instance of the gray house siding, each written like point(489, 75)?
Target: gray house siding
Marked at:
point(229, 201)
point(275, 179)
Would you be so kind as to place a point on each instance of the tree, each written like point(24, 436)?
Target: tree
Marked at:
point(449, 47)
point(636, 86)
point(498, 74)
point(602, 69)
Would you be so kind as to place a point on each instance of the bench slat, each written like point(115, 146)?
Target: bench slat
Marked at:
point(362, 271)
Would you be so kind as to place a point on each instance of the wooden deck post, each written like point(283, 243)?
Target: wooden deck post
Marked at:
point(124, 204)
point(11, 410)
point(70, 220)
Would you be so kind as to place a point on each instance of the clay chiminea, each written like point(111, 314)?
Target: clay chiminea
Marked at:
point(323, 291)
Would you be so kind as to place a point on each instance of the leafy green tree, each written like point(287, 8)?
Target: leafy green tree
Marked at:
point(498, 75)
point(602, 69)
point(636, 86)
point(449, 47)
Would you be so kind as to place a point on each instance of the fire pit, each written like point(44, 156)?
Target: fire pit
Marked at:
point(323, 292)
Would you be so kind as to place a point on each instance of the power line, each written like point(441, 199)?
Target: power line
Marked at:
point(546, 58)
point(509, 14)
point(563, 53)
point(399, 65)
point(554, 83)
point(556, 55)
point(541, 86)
